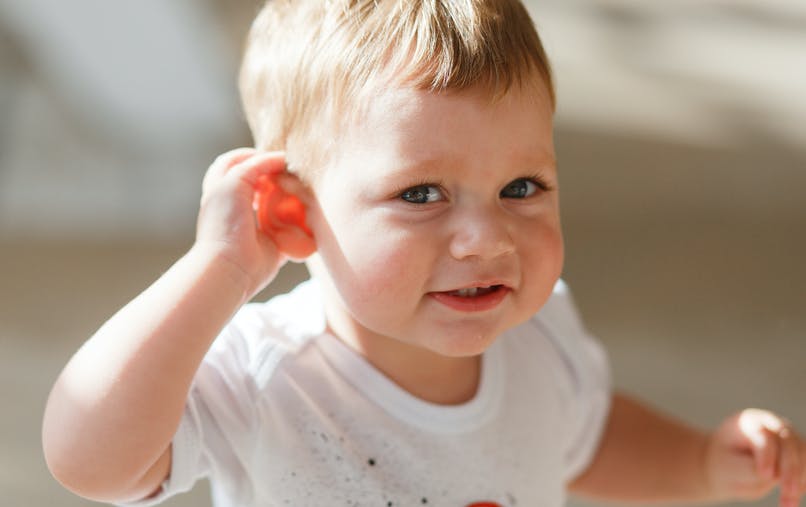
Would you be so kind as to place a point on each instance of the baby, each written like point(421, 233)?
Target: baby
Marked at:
point(404, 150)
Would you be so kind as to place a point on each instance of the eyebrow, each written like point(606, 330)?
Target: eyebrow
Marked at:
point(425, 165)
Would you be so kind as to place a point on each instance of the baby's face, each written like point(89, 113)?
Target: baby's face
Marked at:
point(437, 225)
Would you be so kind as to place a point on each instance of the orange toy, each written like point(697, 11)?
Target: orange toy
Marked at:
point(276, 209)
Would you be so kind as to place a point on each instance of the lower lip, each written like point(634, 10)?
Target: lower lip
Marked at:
point(472, 304)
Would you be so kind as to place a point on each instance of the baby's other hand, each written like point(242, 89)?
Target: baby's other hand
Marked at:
point(227, 224)
point(752, 452)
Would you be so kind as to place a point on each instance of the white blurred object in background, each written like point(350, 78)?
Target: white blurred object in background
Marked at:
point(679, 70)
point(112, 115)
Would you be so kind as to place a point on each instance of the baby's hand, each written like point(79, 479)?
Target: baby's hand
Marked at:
point(751, 453)
point(227, 224)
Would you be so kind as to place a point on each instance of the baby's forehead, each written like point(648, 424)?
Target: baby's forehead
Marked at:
point(399, 118)
point(392, 102)
point(408, 128)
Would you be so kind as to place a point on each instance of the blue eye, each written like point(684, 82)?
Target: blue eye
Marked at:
point(520, 189)
point(421, 194)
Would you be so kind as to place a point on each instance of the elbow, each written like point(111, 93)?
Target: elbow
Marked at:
point(79, 466)
point(75, 471)
point(62, 440)
point(94, 480)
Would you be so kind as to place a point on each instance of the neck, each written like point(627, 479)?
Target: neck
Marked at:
point(425, 374)
point(432, 377)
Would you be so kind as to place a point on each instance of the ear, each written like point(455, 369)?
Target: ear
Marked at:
point(281, 214)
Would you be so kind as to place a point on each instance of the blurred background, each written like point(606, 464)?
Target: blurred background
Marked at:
point(682, 148)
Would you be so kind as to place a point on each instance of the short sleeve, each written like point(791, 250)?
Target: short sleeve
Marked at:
point(187, 461)
point(214, 433)
point(585, 360)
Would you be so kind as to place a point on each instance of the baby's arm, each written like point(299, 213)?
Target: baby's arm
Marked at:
point(114, 409)
point(650, 458)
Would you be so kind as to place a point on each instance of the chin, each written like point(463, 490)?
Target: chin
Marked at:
point(466, 345)
point(472, 338)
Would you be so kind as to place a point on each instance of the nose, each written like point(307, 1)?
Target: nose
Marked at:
point(482, 234)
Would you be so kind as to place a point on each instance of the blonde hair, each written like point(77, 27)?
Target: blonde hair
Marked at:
point(309, 62)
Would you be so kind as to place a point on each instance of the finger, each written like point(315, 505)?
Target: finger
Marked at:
point(773, 455)
point(223, 163)
point(778, 431)
point(803, 467)
point(791, 466)
point(755, 418)
point(760, 428)
point(766, 453)
point(262, 163)
point(740, 476)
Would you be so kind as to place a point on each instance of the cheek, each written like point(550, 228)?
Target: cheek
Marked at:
point(381, 259)
point(367, 259)
point(542, 259)
point(553, 249)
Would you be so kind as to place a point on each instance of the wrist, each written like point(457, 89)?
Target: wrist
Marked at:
point(707, 485)
point(216, 264)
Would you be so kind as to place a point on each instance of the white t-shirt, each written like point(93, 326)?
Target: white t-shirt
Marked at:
point(283, 414)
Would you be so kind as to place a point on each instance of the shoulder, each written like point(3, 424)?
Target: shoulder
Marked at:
point(557, 318)
point(584, 363)
point(287, 320)
point(560, 312)
point(560, 325)
point(260, 334)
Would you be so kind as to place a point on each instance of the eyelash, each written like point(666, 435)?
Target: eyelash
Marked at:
point(421, 183)
point(535, 178)
point(538, 180)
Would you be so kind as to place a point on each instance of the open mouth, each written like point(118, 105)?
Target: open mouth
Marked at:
point(473, 299)
point(474, 291)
